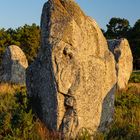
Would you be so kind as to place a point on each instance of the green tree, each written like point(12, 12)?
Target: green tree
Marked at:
point(134, 39)
point(29, 38)
point(5, 40)
point(12, 33)
point(117, 28)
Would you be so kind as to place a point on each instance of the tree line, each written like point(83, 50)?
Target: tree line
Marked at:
point(27, 38)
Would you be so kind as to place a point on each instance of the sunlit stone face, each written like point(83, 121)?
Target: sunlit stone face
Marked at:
point(75, 71)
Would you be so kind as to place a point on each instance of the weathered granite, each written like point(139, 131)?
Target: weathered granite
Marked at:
point(71, 81)
point(124, 60)
point(14, 64)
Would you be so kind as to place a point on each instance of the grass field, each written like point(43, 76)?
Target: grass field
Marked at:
point(135, 77)
point(18, 123)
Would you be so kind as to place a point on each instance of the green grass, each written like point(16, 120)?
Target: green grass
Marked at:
point(18, 123)
point(135, 77)
point(126, 124)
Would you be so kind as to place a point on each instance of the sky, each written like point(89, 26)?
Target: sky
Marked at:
point(16, 13)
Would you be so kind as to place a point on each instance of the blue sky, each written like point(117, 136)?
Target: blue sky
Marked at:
point(15, 13)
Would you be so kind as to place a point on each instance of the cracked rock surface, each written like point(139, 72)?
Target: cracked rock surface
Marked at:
point(124, 60)
point(14, 64)
point(71, 84)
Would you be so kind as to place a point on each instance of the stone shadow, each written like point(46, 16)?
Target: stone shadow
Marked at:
point(107, 110)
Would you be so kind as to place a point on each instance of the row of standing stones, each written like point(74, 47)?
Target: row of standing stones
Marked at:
point(72, 82)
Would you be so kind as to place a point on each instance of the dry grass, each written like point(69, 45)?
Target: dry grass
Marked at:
point(126, 124)
point(135, 86)
point(45, 134)
point(9, 88)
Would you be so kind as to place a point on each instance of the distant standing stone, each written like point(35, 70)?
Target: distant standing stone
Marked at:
point(13, 66)
point(124, 60)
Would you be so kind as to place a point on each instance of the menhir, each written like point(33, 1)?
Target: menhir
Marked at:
point(71, 83)
point(124, 61)
point(13, 67)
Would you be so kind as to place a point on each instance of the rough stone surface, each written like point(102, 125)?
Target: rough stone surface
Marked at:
point(71, 83)
point(124, 60)
point(13, 66)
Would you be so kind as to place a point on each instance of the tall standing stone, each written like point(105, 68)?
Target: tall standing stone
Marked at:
point(14, 64)
point(124, 60)
point(71, 83)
